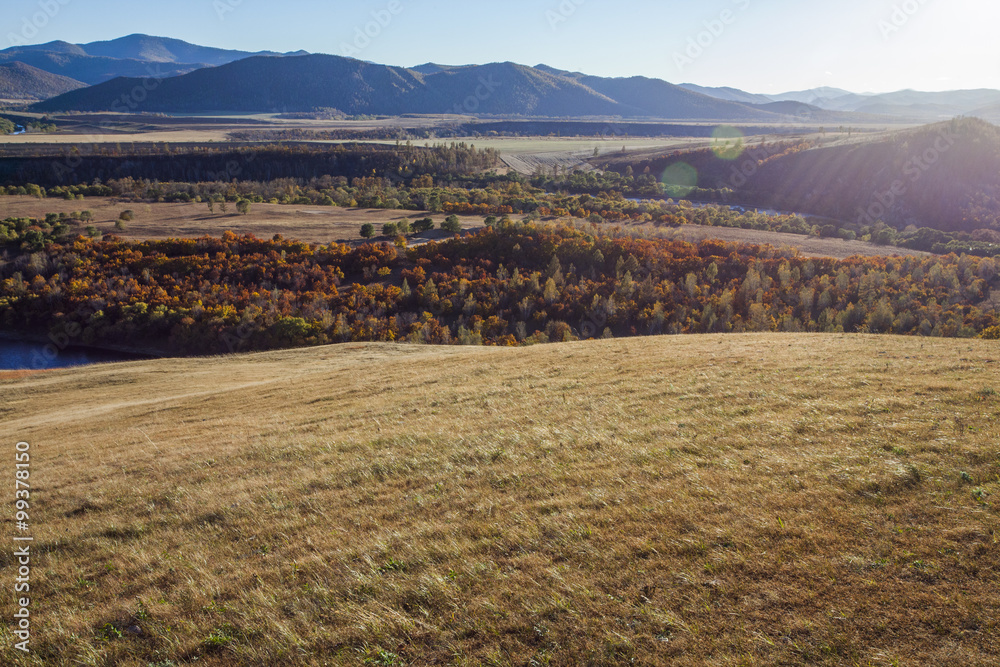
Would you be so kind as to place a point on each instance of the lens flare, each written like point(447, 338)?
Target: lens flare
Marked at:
point(727, 142)
point(680, 179)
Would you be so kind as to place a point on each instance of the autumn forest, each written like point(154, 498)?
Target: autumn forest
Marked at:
point(511, 284)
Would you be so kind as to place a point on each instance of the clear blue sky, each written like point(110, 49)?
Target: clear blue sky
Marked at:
point(763, 46)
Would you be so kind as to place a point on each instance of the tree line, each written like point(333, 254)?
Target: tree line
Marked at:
point(509, 284)
point(253, 163)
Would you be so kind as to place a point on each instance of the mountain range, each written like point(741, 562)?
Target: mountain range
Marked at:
point(192, 78)
point(134, 56)
point(910, 105)
point(304, 83)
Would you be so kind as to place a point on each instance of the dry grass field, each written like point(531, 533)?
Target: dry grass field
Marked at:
point(323, 224)
point(702, 500)
point(99, 128)
point(810, 246)
point(315, 224)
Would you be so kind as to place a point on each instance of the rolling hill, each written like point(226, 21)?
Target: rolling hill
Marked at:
point(580, 503)
point(944, 176)
point(303, 83)
point(24, 82)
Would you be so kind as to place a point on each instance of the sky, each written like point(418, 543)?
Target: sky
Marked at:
point(763, 46)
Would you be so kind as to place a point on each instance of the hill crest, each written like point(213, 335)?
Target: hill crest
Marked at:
point(19, 81)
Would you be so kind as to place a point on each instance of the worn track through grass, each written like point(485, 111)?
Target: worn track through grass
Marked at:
point(721, 500)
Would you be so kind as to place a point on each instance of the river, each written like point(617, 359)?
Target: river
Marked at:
point(19, 355)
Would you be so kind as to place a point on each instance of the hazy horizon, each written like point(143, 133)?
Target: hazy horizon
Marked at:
point(761, 46)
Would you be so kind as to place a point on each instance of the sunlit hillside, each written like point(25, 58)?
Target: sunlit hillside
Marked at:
point(720, 500)
point(941, 176)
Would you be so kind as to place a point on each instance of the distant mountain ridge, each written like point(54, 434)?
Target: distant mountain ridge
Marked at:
point(903, 104)
point(731, 94)
point(92, 70)
point(304, 83)
point(132, 56)
point(167, 50)
point(438, 88)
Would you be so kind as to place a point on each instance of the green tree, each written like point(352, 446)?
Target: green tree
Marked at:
point(389, 229)
point(367, 230)
point(451, 224)
point(243, 206)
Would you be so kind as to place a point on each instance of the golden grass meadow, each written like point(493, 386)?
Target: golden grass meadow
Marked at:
point(699, 500)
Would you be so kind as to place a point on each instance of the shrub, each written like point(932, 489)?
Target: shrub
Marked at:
point(451, 224)
point(423, 225)
point(127, 215)
point(367, 230)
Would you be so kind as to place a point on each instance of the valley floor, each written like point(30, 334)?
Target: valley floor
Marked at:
point(742, 499)
point(323, 224)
